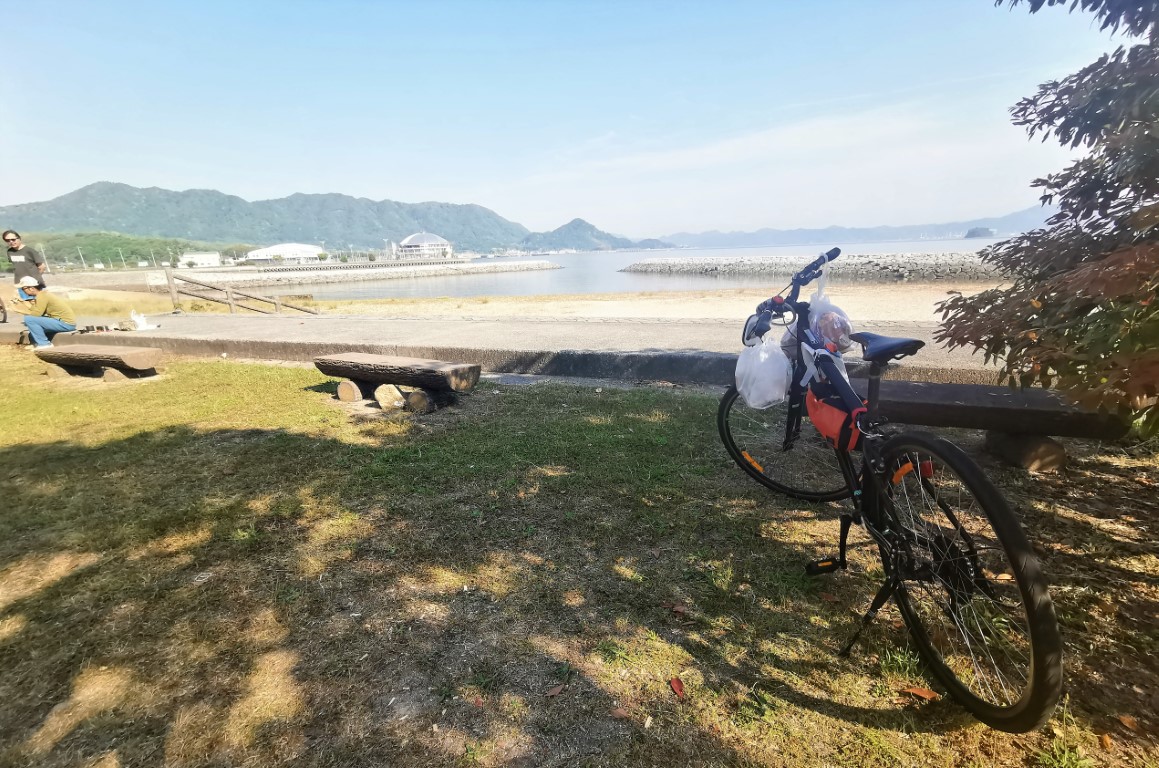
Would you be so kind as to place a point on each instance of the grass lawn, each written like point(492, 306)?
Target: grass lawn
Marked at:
point(226, 567)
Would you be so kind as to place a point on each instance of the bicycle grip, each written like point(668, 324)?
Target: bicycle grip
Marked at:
point(822, 260)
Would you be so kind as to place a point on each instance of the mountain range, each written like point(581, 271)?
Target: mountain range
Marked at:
point(212, 216)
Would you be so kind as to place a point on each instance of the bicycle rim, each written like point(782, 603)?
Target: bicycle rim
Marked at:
point(755, 440)
point(971, 590)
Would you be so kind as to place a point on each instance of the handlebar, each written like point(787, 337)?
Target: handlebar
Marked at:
point(778, 305)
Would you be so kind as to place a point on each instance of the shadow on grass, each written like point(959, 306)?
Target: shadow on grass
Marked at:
point(209, 598)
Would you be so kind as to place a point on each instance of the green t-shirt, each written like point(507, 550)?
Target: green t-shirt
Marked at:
point(47, 304)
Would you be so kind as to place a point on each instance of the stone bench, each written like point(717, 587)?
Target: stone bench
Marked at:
point(113, 362)
point(399, 382)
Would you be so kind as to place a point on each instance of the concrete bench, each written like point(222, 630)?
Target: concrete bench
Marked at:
point(399, 382)
point(114, 362)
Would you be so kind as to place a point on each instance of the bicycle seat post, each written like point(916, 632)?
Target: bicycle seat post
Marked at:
point(875, 371)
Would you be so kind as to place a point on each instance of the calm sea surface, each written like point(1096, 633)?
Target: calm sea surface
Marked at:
point(600, 273)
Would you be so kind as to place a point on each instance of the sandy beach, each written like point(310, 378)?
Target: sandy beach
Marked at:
point(865, 303)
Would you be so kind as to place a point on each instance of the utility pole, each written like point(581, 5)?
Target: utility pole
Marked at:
point(123, 262)
point(44, 253)
point(154, 258)
point(82, 258)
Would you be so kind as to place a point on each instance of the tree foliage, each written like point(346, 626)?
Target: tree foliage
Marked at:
point(1080, 312)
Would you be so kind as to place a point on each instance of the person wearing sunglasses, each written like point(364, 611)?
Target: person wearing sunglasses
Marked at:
point(25, 262)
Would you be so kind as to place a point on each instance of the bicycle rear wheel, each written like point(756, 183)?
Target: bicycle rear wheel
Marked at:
point(755, 439)
point(970, 589)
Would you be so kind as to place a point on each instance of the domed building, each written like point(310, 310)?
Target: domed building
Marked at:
point(424, 245)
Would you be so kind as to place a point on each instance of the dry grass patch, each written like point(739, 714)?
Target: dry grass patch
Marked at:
point(197, 576)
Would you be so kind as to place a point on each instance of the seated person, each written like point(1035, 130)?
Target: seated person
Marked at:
point(45, 314)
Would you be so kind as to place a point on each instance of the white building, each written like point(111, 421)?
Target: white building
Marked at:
point(287, 253)
point(200, 259)
point(424, 245)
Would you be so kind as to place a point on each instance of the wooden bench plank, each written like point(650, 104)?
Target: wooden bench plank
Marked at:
point(408, 371)
point(1000, 409)
point(102, 356)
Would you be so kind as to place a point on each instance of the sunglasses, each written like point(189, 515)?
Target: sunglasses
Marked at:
point(11, 239)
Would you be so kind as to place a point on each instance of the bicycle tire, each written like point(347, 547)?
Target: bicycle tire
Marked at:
point(971, 590)
point(755, 438)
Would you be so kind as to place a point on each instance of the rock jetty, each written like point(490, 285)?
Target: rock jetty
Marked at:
point(883, 268)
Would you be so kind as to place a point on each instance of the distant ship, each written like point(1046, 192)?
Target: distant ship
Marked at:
point(981, 232)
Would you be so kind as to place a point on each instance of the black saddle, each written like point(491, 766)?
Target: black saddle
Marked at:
point(882, 349)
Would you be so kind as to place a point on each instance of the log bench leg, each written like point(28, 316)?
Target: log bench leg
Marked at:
point(429, 400)
point(391, 397)
point(351, 391)
point(1037, 453)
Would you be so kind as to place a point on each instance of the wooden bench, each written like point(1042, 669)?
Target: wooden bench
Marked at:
point(112, 362)
point(399, 382)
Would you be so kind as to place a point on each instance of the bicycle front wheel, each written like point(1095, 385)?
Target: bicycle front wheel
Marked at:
point(971, 590)
point(755, 439)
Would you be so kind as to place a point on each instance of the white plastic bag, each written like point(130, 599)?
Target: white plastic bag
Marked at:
point(827, 321)
point(763, 373)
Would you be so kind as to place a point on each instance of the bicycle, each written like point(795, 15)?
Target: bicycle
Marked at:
point(956, 561)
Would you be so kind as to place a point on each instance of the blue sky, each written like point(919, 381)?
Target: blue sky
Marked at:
point(644, 118)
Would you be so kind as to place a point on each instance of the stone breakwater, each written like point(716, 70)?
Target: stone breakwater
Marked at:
point(240, 277)
point(882, 268)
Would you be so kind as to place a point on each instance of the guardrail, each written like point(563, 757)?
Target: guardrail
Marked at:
point(229, 296)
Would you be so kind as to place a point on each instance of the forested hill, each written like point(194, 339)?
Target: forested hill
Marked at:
point(203, 214)
point(576, 234)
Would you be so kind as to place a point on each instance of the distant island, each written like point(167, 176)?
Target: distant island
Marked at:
point(341, 222)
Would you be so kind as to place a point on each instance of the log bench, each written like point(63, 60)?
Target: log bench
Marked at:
point(111, 362)
point(399, 382)
point(11, 333)
point(1017, 422)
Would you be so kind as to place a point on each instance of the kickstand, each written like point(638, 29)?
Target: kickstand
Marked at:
point(880, 599)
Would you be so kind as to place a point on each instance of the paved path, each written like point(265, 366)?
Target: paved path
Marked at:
point(691, 350)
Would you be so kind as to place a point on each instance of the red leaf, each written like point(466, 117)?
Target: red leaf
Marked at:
point(557, 690)
point(478, 702)
point(922, 693)
point(829, 598)
point(677, 687)
point(1105, 740)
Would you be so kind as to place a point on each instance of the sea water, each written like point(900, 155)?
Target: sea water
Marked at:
point(599, 272)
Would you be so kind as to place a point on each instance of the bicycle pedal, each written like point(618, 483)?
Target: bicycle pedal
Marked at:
point(819, 567)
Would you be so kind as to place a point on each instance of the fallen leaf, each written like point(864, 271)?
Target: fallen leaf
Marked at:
point(677, 687)
point(647, 722)
point(557, 690)
point(829, 598)
point(898, 624)
point(478, 702)
point(680, 610)
point(922, 693)
point(1105, 740)
point(1129, 721)
point(620, 713)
